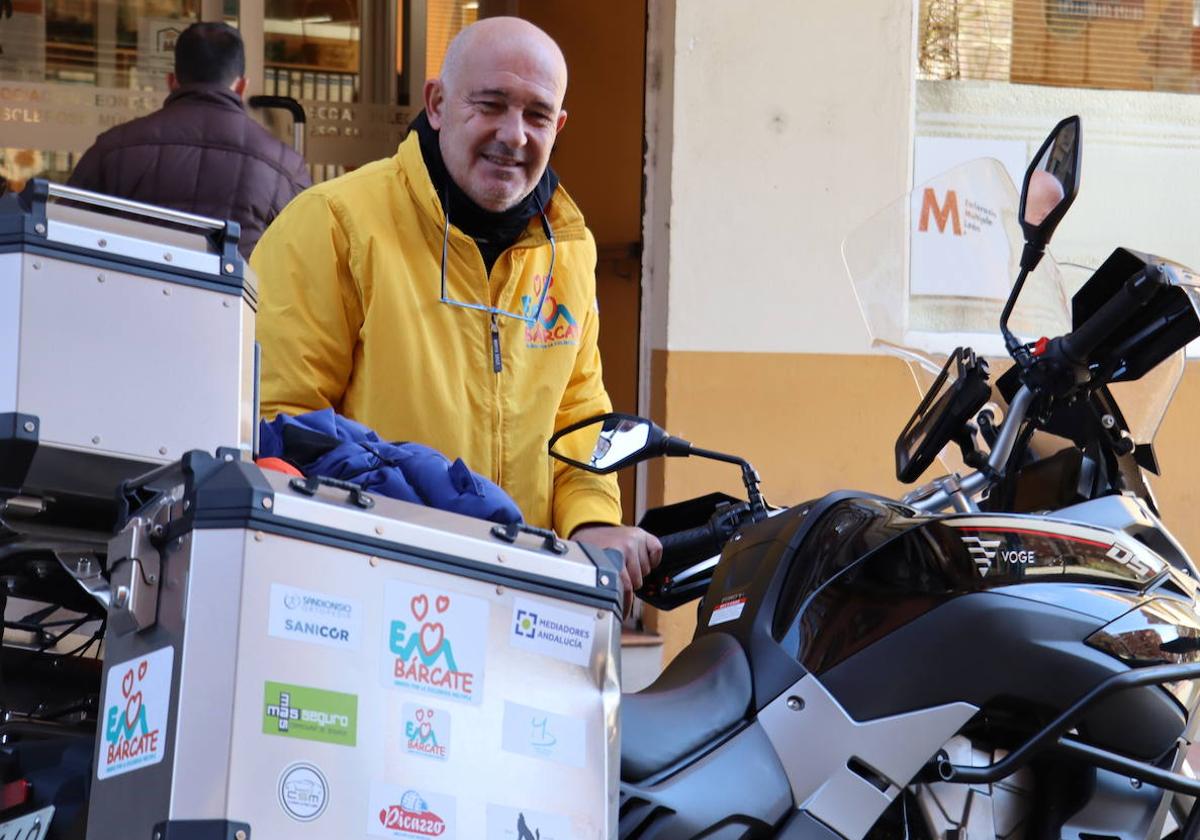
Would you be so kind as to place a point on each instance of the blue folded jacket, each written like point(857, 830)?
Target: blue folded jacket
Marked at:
point(323, 443)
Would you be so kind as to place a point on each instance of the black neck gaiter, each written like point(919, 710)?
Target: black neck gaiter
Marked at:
point(492, 232)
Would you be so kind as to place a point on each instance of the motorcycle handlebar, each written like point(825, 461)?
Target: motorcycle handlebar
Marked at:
point(693, 541)
point(1079, 344)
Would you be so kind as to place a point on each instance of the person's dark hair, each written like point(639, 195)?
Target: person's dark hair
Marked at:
point(209, 53)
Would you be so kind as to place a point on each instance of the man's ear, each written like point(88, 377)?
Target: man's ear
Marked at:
point(239, 86)
point(435, 101)
point(562, 120)
point(172, 82)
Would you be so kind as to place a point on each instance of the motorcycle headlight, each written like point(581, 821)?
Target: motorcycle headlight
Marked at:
point(1159, 632)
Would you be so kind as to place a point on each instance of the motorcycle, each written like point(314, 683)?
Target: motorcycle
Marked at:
point(1010, 650)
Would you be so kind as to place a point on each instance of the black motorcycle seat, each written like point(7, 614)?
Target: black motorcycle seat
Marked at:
point(704, 692)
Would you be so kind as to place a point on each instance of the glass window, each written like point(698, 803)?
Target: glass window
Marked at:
point(71, 68)
point(1111, 44)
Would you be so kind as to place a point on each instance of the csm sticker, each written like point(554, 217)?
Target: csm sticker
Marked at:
point(303, 792)
point(408, 812)
point(426, 731)
point(541, 734)
point(314, 617)
point(437, 641)
point(730, 609)
point(295, 711)
point(137, 700)
point(553, 632)
point(524, 824)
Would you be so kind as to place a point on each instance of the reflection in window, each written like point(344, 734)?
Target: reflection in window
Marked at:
point(124, 47)
point(1111, 44)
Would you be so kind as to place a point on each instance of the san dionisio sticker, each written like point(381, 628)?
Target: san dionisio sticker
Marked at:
point(551, 631)
point(137, 701)
point(314, 617)
point(436, 642)
point(410, 813)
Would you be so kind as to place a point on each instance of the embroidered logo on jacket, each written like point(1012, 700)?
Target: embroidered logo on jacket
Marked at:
point(554, 325)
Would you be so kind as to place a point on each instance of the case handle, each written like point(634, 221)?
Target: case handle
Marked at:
point(309, 486)
point(509, 534)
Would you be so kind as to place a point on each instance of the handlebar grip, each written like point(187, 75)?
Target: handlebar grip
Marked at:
point(689, 542)
point(1079, 344)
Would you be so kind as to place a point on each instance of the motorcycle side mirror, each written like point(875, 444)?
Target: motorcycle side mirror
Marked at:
point(1050, 186)
point(610, 442)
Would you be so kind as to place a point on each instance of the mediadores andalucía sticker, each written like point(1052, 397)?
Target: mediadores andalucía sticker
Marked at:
point(137, 702)
point(563, 634)
point(436, 642)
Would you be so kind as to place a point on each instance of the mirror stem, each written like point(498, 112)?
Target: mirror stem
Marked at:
point(750, 477)
point(1010, 341)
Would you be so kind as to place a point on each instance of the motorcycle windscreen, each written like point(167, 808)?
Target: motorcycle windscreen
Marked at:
point(932, 272)
point(1171, 319)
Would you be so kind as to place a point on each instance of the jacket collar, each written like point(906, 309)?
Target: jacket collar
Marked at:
point(207, 94)
point(564, 215)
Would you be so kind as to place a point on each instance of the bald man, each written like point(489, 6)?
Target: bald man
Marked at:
point(446, 295)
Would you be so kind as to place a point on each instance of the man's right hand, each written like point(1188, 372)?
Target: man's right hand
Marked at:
point(641, 550)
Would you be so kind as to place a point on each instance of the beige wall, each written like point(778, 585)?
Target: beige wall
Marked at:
point(790, 122)
point(771, 131)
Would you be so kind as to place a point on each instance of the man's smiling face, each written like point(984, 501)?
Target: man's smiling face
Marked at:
point(498, 109)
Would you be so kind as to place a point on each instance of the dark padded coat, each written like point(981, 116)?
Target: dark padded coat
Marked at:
point(201, 153)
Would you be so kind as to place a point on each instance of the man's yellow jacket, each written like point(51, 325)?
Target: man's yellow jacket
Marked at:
point(349, 317)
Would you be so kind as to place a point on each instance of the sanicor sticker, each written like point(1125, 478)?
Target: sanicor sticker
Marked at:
point(137, 702)
point(314, 617)
point(436, 641)
point(550, 631)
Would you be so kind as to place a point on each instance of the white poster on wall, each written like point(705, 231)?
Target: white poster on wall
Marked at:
point(962, 236)
point(23, 41)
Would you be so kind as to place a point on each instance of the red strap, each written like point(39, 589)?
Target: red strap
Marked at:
point(14, 794)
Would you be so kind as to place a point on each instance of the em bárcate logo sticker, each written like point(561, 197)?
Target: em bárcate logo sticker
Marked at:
point(436, 642)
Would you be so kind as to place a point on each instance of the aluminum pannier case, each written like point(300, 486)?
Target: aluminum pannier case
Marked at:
point(296, 659)
point(126, 339)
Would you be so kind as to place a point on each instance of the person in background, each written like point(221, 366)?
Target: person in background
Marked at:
point(447, 295)
point(201, 152)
